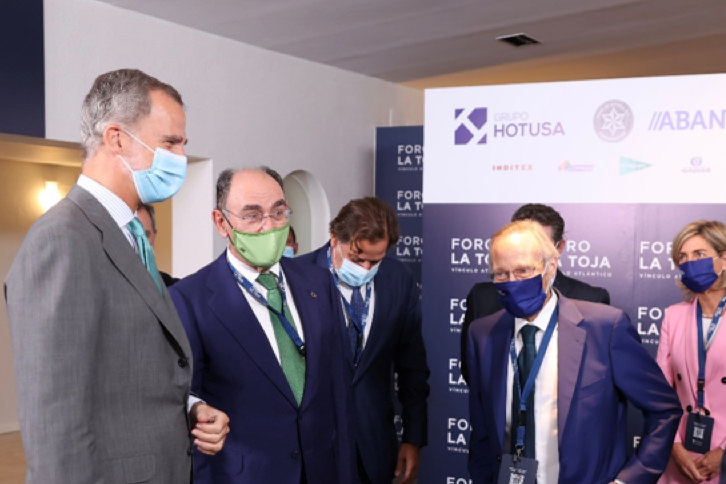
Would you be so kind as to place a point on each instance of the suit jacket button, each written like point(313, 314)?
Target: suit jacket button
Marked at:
point(689, 408)
point(499, 458)
point(679, 377)
point(182, 362)
point(189, 450)
point(294, 454)
point(723, 380)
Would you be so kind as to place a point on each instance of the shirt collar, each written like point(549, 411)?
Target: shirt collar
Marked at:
point(248, 271)
point(543, 318)
point(117, 208)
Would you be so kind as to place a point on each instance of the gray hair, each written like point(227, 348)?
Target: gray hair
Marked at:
point(120, 96)
point(224, 180)
point(546, 249)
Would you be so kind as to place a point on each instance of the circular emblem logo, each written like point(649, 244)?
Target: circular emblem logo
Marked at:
point(613, 121)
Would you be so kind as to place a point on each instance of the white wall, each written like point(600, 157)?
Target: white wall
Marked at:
point(19, 186)
point(246, 106)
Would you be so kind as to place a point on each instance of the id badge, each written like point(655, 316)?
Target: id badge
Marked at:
point(698, 433)
point(524, 471)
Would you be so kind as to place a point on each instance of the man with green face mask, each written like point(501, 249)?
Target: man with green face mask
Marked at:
point(267, 343)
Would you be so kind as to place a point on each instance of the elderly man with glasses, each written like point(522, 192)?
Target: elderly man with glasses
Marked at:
point(550, 378)
point(265, 333)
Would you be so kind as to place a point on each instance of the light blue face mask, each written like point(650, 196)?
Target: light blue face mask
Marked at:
point(353, 274)
point(288, 252)
point(163, 179)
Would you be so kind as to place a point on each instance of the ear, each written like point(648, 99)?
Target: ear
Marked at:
point(220, 223)
point(560, 246)
point(112, 138)
point(722, 256)
point(552, 267)
point(333, 241)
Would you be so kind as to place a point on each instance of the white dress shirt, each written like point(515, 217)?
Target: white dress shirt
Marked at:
point(262, 313)
point(116, 208)
point(545, 397)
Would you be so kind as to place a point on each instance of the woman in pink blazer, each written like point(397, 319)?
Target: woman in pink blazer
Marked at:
point(699, 250)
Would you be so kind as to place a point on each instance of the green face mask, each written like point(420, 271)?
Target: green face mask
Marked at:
point(261, 249)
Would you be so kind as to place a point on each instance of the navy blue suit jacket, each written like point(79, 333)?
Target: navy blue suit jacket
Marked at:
point(601, 365)
point(235, 370)
point(395, 344)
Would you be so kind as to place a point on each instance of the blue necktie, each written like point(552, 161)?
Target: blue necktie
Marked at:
point(525, 361)
point(146, 252)
point(354, 335)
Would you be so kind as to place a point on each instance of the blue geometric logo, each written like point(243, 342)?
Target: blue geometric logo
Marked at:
point(629, 165)
point(470, 126)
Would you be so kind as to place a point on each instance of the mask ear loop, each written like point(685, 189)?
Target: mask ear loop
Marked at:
point(551, 283)
point(229, 237)
point(137, 139)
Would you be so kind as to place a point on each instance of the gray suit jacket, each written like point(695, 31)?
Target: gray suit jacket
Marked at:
point(102, 362)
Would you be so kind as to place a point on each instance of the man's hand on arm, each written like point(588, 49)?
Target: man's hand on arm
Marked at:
point(209, 428)
point(408, 462)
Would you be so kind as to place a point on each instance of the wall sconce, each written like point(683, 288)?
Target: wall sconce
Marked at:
point(49, 196)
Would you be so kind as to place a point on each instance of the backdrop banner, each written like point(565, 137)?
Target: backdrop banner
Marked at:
point(627, 162)
point(399, 168)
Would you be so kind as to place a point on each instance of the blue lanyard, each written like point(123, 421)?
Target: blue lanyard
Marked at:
point(529, 384)
point(701, 346)
point(360, 325)
point(250, 288)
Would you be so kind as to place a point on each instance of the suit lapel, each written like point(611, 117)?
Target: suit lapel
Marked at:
point(321, 259)
point(306, 295)
point(128, 263)
point(381, 325)
point(496, 372)
point(571, 344)
point(690, 343)
point(233, 312)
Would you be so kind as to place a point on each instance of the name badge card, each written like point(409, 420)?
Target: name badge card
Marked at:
point(523, 470)
point(698, 433)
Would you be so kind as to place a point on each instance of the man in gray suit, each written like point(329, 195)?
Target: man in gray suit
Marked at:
point(102, 363)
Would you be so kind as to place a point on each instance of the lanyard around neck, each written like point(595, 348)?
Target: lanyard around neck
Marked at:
point(257, 295)
point(702, 347)
point(529, 384)
point(360, 324)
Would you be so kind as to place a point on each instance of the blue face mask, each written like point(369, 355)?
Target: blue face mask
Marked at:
point(698, 275)
point(353, 274)
point(523, 298)
point(288, 252)
point(163, 179)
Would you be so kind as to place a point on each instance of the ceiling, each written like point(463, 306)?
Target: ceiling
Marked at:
point(407, 40)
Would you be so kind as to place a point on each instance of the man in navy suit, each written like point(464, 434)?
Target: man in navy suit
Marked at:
point(482, 298)
point(382, 309)
point(266, 338)
point(585, 361)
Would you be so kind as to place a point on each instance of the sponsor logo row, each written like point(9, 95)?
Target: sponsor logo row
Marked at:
point(613, 121)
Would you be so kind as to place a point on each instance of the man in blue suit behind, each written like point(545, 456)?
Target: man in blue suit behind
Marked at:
point(382, 309)
point(586, 362)
point(266, 338)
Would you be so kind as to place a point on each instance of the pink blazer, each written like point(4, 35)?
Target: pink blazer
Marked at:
point(678, 358)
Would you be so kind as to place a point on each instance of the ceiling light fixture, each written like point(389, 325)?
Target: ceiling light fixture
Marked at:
point(518, 40)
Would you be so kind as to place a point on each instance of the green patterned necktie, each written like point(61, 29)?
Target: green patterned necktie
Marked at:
point(293, 363)
point(145, 250)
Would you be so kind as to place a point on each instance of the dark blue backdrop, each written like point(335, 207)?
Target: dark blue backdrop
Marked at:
point(22, 82)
